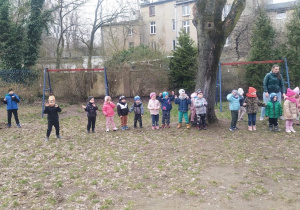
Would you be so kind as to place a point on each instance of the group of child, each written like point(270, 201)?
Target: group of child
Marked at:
point(237, 104)
point(250, 105)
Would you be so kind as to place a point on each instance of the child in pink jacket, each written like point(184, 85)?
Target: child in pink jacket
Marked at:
point(153, 106)
point(108, 111)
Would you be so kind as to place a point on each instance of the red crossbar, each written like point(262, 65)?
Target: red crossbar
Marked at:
point(57, 70)
point(252, 62)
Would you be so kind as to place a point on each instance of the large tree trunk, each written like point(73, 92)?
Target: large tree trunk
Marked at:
point(211, 35)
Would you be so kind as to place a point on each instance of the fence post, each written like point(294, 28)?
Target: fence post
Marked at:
point(106, 82)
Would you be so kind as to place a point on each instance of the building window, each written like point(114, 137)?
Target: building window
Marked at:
point(152, 11)
point(153, 45)
point(185, 10)
point(130, 31)
point(131, 44)
point(174, 44)
point(281, 15)
point(186, 26)
point(173, 24)
point(152, 27)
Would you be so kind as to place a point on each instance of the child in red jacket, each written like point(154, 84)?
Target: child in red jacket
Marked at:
point(108, 111)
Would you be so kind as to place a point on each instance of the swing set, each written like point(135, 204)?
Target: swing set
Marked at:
point(219, 75)
point(49, 88)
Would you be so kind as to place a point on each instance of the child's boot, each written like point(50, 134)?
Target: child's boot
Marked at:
point(270, 127)
point(199, 127)
point(287, 129)
point(188, 126)
point(163, 126)
point(88, 131)
point(179, 125)
point(58, 136)
point(115, 128)
point(18, 125)
point(168, 126)
point(276, 128)
point(8, 125)
point(153, 127)
point(254, 127)
point(249, 128)
point(292, 129)
point(123, 128)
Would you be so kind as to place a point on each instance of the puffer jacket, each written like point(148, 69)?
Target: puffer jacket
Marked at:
point(200, 105)
point(234, 104)
point(273, 84)
point(52, 112)
point(137, 108)
point(153, 106)
point(183, 104)
point(273, 109)
point(11, 102)
point(108, 109)
point(290, 110)
point(252, 104)
point(91, 110)
point(122, 108)
point(166, 103)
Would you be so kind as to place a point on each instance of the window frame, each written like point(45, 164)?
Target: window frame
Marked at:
point(152, 27)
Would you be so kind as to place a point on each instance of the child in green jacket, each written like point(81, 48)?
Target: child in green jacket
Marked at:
point(273, 112)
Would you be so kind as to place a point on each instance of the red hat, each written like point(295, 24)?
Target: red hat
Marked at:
point(250, 91)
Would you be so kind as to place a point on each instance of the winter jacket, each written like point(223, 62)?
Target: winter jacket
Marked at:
point(273, 109)
point(166, 103)
point(52, 112)
point(153, 106)
point(200, 105)
point(290, 110)
point(234, 103)
point(242, 101)
point(91, 110)
point(122, 108)
point(298, 103)
point(108, 109)
point(253, 104)
point(183, 104)
point(273, 84)
point(11, 102)
point(137, 108)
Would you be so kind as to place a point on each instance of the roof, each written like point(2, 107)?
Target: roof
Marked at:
point(281, 6)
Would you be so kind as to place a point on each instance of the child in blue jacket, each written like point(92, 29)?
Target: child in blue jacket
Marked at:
point(183, 102)
point(166, 106)
point(234, 106)
point(11, 100)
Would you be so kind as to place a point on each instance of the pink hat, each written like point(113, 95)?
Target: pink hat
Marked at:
point(290, 92)
point(296, 90)
point(152, 94)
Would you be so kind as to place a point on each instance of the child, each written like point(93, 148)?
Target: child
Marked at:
point(192, 107)
point(297, 97)
point(242, 109)
point(166, 106)
point(251, 103)
point(91, 110)
point(11, 100)
point(52, 109)
point(123, 110)
point(153, 106)
point(273, 111)
point(290, 110)
point(234, 106)
point(108, 111)
point(183, 102)
point(200, 105)
point(138, 109)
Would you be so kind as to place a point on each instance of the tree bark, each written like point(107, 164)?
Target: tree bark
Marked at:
point(212, 32)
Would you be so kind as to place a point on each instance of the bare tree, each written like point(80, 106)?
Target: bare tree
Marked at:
point(212, 32)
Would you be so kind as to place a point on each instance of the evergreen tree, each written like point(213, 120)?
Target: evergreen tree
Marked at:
point(183, 65)
point(293, 48)
point(262, 48)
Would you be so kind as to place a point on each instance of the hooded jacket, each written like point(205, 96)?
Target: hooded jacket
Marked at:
point(91, 110)
point(200, 105)
point(137, 108)
point(273, 84)
point(122, 108)
point(183, 104)
point(11, 102)
point(253, 104)
point(52, 112)
point(108, 109)
point(166, 103)
point(273, 108)
point(153, 106)
point(234, 104)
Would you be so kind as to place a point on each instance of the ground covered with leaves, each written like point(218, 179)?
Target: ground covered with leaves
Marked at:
point(145, 169)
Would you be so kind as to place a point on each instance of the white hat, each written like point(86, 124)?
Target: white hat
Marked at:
point(241, 91)
point(181, 91)
point(296, 90)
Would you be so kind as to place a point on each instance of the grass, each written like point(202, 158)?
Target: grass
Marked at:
point(141, 168)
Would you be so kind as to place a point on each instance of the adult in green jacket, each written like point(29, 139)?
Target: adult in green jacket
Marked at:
point(273, 111)
point(273, 83)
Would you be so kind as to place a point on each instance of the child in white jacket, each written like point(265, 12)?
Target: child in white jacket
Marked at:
point(153, 106)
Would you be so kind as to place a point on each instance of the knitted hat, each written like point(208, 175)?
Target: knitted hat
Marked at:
point(10, 89)
point(272, 95)
point(152, 94)
point(234, 92)
point(199, 91)
point(121, 98)
point(164, 94)
point(250, 94)
point(137, 98)
point(241, 91)
point(181, 91)
point(193, 95)
point(90, 97)
point(296, 90)
point(290, 92)
point(251, 90)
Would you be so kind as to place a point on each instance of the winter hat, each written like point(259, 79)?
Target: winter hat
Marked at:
point(152, 94)
point(296, 90)
point(10, 89)
point(234, 92)
point(272, 95)
point(193, 95)
point(164, 94)
point(90, 97)
point(121, 98)
point(181, 91)
point(290, 92)
point(137, 98)
point(250, 91)
point(241, 91)
point(199, 91)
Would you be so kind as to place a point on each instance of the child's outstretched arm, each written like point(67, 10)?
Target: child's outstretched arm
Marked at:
point(131, 108)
